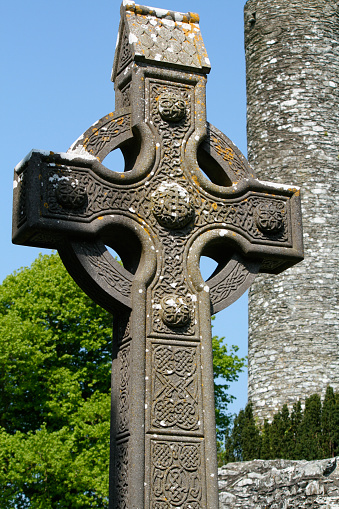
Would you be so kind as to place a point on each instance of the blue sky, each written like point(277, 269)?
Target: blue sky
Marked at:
point(57, 60)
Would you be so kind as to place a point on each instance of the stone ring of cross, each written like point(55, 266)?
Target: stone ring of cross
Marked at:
point(221, 162)
point(217, 213)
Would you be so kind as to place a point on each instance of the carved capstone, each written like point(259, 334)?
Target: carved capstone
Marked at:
point(161, 215)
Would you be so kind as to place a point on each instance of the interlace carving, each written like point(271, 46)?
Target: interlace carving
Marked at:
point(22, 212)
point(126, 95)
point(174, 311)
point(70, 193)
point(172, 205)
point(172, 134)
point(269, 216)
point(228, 152)
point(125, 55)
point(245, 213)
point(175, 388)
point(230, 284)
point(121, 478)
point(172, 279)
point(124, 327)
point(176, 475)
point(124, 373)
point(100, 197)
point(106, 270)
point(171, 106)
point(107, 129)
point(241, 214)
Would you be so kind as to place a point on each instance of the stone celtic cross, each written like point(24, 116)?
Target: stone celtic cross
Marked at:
point(186, 191)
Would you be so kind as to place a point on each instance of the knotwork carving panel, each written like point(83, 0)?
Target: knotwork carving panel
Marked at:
point(125, 54)
point(176, 475)
point(126, 95)
point(245, 214)
point(171, 203)
point(96, 139)
point(101, 198)
point(175, 311)
point(99, 259)
point(176, 315)
point(230, 284)
point(228, 152)
point(173, 134)
point(22, 210)
point(256, 216)
point(175, 391)
point(124, 378)
point(121, 476)
point(124, 327)
point(171, 106)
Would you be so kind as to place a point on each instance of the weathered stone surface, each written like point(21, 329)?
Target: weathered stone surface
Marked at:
point(279, 484)
point(292, 56)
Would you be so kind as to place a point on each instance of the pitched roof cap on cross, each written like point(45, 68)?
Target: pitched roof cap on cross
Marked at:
point(161, 37)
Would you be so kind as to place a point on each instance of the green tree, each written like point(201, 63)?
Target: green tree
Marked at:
point(250, 436)
point(226, 367)
point(336, 426)
point(281, 435)
point(235, 443)
point(265, 449)
point(328, 424)
point(55, 363)
point(309, 434)
point(55, 354)
point(309, 443)
point(244, 441)
point(296, 422)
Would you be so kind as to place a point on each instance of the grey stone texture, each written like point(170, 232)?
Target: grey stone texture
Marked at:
point(279, 484)
point(292, 59)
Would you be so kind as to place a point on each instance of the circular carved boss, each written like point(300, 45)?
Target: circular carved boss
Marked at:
point(269, 216)
point(174, 311)
point(70, 193)
point(171, 107)
point(172, 206)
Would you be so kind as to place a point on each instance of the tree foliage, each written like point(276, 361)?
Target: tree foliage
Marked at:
point(302, 434)
point(226, 368)
point(55, 364)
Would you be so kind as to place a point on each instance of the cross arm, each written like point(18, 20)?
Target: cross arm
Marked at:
point(53, 194)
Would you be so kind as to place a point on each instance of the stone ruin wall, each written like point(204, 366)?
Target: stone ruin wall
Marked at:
point(292, 58)
point(279, 484)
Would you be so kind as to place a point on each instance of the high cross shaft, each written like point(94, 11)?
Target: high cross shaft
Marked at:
point(186, 191)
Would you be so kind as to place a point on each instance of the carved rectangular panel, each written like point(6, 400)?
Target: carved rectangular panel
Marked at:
point(121, 480)
point(175, 400)
point(176, 475)
point(123, 401)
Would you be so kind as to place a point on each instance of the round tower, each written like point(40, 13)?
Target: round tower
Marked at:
point(292, 59)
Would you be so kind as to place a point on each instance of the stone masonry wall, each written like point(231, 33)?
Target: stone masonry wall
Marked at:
point(279, 484)
point(292, 58)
